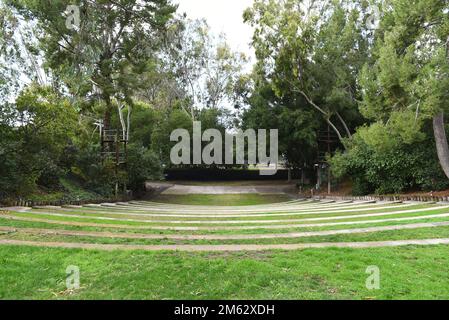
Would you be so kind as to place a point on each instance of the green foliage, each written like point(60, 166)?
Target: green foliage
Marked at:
point(318, 67)
point(206, 67)
point(306, 74)
point(85, 165)
point(382, 161)
point(143, 165)
point(75, 191)
point(105, 55)
point(144, 120)
point(34, 134)
point(404, 85)
point(297, 127)
point(160, 138)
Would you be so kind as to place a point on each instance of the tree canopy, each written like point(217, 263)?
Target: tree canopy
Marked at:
point(366, 79)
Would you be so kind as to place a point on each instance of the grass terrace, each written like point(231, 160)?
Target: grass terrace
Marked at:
point(244, 246)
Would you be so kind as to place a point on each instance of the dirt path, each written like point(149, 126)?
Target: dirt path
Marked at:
point(225, 248)
point(35, 231)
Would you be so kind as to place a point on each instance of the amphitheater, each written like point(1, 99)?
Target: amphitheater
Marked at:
point(291, 225)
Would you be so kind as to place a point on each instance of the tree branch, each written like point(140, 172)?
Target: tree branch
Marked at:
point(311, 102)
point(343, 122)
point(340, 137)
point(326, 114)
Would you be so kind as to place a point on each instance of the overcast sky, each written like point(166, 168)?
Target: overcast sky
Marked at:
point(223, 16)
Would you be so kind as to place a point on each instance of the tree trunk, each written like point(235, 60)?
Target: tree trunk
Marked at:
point(107, 113)
point(441, 142)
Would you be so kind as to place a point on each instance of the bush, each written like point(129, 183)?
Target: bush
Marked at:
point(143, 165)
point(390, 167)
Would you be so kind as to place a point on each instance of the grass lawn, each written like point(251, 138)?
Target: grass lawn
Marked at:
point(409, 272)
point(135, 221)
point(222, 199)
point(413, 234)
point(406, 273)
point(261, 230)
point(236, 183)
